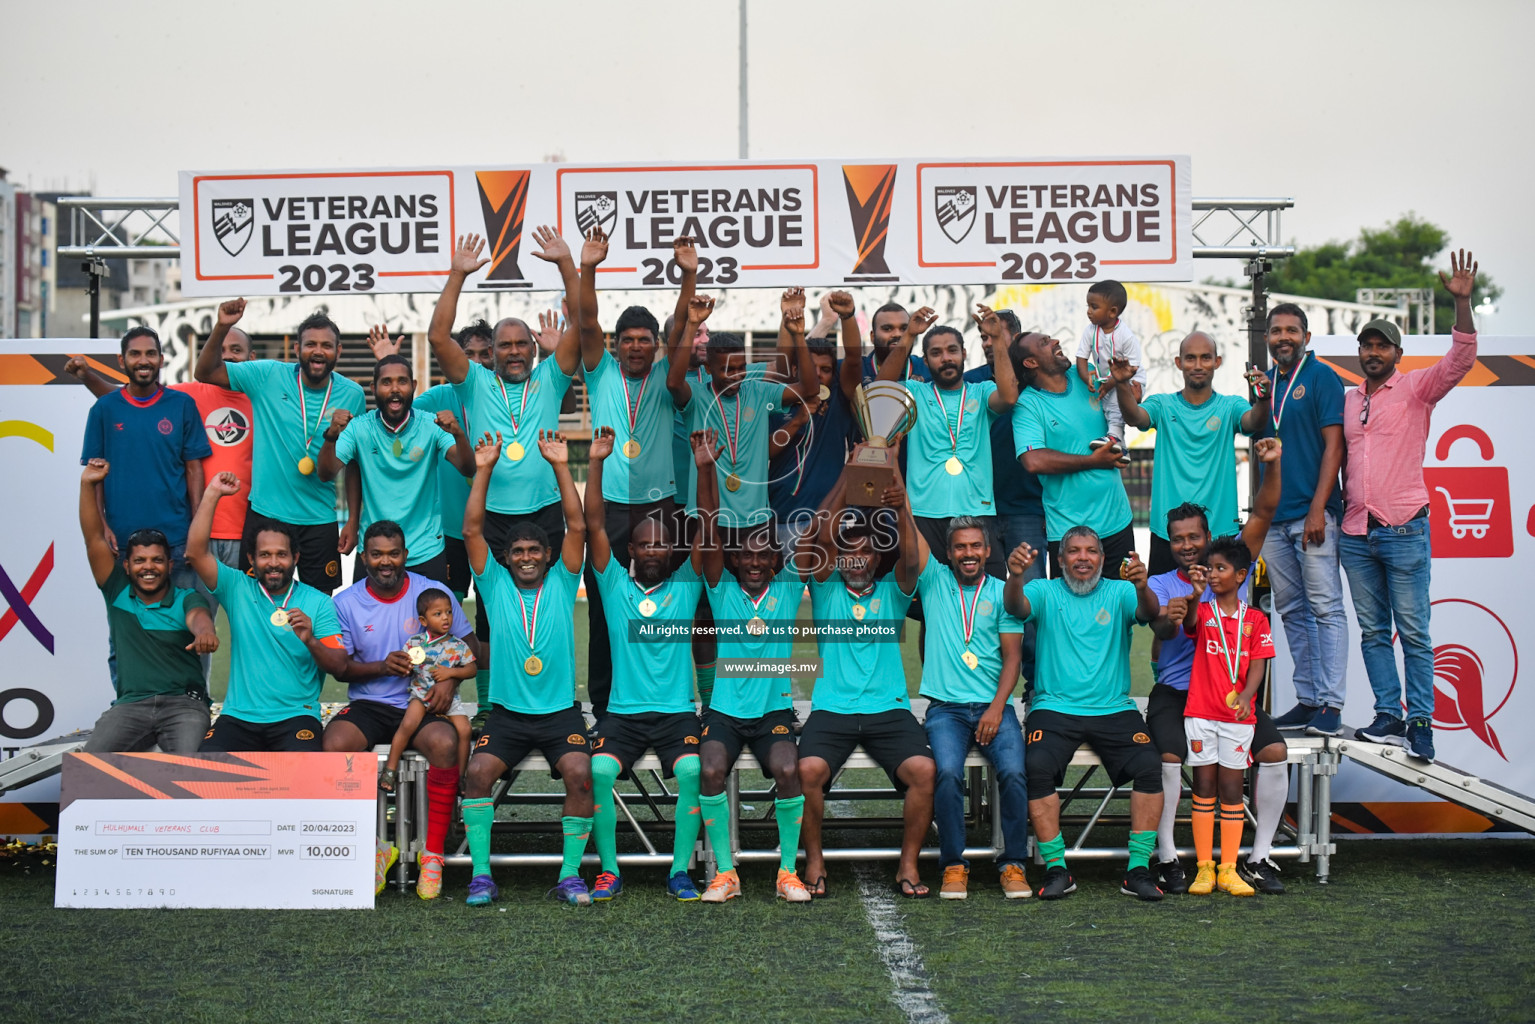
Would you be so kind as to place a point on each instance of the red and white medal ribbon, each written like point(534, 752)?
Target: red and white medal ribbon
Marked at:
point(530, 625)
point(303, 407)
point(959, 426)
point(1277, 412)
point(521, 409)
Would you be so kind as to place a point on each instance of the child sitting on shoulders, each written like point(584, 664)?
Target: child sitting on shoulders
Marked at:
point(1105, 339)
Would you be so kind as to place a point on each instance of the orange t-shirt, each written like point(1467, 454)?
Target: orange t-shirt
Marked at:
point(227, 419)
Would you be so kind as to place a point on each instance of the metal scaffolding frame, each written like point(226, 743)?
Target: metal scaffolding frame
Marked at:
point(1416, 304)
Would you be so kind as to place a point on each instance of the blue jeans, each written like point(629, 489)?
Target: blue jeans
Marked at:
point(951, 734)
point(1030, 529)
point(1308, 595)
point(1388, 571)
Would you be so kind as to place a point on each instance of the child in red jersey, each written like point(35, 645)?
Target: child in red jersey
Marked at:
point(1232, 646)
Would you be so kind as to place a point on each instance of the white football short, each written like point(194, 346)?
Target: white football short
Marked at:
point(1229, 744)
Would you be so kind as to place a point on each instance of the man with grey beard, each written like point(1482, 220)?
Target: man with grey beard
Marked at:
point(1082, 695)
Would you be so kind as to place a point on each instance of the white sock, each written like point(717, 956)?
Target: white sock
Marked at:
point(1269, 795)
point(1172, 789)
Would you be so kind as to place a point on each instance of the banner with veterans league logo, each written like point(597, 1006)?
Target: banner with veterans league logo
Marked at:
point(820, 223)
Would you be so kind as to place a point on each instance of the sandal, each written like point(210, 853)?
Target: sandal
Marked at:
point(387, 777)
point(912, 890)
point(817, 889)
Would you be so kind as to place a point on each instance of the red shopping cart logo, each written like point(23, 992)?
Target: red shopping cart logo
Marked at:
point(1469, 514)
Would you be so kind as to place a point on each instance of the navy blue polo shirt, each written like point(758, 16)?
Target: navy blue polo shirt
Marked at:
point(1016, 491)
point(147, 442)
point(918, 369)
point(1304, 402)
point(803, 474)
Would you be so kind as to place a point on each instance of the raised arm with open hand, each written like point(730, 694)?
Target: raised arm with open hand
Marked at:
point(1460, 284)
point(380, 344)
point(486, 451)
point(466, 260)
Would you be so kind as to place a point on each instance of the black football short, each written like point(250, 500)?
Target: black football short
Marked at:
point(511, 736)
point(761, 734)
point(1164, 720)
point(231, 735)
point(889, 737)
point(378, 722)
point(1120, 740)
point(625, 738)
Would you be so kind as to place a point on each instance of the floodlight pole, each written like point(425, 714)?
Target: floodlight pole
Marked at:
point(95, 270)
point(742, 148)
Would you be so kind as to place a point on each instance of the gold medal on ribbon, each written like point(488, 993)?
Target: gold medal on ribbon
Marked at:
point(859, 611)
point(631, 449)
point(647, 607)
point(732, 483)
point(279, 618)
point(306, 465)
point(417, 655)
point(533, 666)
point(756, 627)
point(970, 660)
point(824, 393)
point(1232, 700)
point(515, 452)
point(954, 466)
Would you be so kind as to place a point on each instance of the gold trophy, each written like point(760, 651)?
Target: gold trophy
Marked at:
point(886, 412)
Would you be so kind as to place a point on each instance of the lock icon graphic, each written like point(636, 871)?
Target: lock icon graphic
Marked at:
point(1469, 515)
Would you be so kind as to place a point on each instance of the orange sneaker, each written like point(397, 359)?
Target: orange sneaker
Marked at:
point(1015, 886)
point(384, 856)
point(726, 886)
point(791, 888)
point(429, 882)
point(956, 883)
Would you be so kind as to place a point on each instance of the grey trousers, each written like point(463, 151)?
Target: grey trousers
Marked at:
point(176, 722)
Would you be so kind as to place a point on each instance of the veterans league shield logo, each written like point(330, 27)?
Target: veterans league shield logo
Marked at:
point(596, 210)
point(233, 222)
point(956, 210)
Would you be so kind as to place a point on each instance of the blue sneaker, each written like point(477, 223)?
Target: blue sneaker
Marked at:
point(571, 890)
point(1385, 729)
point(482, 889)
point(1327, 722)
point(1297, 717)
point(682, 887)
point(608, 885)
point(1420, 739)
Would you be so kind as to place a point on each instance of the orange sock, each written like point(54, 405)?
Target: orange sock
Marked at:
point(1204, 828)
point(1231, 832)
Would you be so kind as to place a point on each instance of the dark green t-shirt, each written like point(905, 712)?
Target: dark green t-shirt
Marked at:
point(151, 640)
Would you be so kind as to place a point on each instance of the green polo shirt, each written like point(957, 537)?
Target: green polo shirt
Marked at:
point(1068, 422)
point(452, 486)
point(734, 609)
point(650, 672)
point(272, 675)
point(517, 486)
point(151, 641)
point(616, 400)
point(950, 424)
point(743, 415)
point(399, 476)
point(1195, 459)
point(512, 610)
point(862, 673)
point(1082, 650)
point(945, 676)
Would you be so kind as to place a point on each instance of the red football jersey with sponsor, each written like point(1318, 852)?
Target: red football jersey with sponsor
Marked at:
point(227, 420)
point(1210, 680)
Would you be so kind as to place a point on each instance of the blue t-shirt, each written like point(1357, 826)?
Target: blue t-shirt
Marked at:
point(1067, 422)
point(282, 424)
point(1176, 659)
point(650, 673)
point(373, 627)
point(803, 474)
point(547, 609)
point(1082, 650)
point(272, 675)
point(452, 486)
point(1016, 490)
point(1195, 459)
point(615, 399)
point(517, 486)
point(399, 476)
point(734, 609)
point(916, 368)
point(147, 443)
point(1315, 400)
point(861, 673)
point(945, 676)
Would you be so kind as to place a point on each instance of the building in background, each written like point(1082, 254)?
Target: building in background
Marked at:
point(28, 258)
point(71, 301)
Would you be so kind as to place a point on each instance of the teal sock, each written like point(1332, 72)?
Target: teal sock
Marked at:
point(478, 816)
point(1054, 850)
point(1156, 673)
point(577, 832)
point(716, 811)
point(1141, 846)
point(688, 816)
point(788, 812)
point(704, 676)
point(605, 817)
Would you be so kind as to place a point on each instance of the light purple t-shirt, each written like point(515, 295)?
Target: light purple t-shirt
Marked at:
point(371, 628)
point(1176, 662)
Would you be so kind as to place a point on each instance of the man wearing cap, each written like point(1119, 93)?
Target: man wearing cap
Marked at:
point(1385, 542)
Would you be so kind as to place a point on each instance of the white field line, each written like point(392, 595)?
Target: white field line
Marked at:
point(898, 953)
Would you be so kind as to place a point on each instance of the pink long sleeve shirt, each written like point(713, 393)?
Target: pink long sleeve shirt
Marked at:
point(1383, 469)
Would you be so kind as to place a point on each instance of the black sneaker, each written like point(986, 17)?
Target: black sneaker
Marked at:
point(1297, 717)
point(1262, 875)
point(1139, 883)
point(1171, 878)
point(1385, 729)
point(1058, 884)
point(1420, 739)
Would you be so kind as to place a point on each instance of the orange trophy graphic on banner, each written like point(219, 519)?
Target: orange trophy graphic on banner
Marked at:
point(504, 201)
point(870, 190)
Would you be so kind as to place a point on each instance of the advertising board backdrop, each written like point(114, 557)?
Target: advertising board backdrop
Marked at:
point(757, 224)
